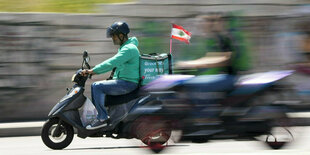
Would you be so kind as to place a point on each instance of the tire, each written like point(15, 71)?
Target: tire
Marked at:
point(280, 134)
point(61, 141)
point(153, 132)
point(276, 145)
point(160, 136)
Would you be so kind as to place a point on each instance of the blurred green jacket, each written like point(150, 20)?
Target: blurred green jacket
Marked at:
point(126, 62)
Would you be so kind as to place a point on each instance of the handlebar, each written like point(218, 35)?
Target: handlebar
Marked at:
point(85, 62)
point(87, 65)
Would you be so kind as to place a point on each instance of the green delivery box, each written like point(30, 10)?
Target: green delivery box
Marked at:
point(152, 65)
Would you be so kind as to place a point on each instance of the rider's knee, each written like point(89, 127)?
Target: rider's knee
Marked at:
point(94, 85)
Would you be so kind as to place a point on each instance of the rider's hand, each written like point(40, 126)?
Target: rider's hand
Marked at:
point(86, 72)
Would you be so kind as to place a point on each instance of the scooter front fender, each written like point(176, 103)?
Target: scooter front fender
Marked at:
point(73, 100)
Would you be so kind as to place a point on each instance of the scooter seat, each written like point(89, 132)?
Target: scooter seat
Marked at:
point(210, 83)
point(111, 100)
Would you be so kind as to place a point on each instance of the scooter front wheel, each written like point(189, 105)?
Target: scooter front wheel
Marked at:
point(57, 135)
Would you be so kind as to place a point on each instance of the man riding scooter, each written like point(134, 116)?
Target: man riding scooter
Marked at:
point(125, 65)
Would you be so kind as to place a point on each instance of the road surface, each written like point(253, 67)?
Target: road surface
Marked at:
point(33, 145)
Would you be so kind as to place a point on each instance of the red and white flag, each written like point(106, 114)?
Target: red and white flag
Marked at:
point(179, 33)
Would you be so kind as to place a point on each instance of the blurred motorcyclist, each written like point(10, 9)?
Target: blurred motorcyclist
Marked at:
point(126, 74)
point(226, 56)
point(225, 47)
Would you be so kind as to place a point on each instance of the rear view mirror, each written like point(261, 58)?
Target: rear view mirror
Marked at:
point(85, 56)
point(87, 59)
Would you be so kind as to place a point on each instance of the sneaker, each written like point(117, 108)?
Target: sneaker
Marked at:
point(96, 124)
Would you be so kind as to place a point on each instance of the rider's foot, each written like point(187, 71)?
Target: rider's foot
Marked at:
point(96, 124)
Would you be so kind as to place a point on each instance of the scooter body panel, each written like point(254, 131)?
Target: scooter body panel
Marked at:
point(74, 99)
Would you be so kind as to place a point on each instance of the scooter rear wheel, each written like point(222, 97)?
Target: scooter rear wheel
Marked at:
point(280, 135)
point(153, 132)
point(62, 139)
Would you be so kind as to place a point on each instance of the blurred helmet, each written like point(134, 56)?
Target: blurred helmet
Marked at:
point(117, 28)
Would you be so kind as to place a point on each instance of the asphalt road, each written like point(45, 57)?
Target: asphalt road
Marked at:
point(33, 145)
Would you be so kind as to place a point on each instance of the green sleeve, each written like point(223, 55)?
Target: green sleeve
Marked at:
point(121, 57)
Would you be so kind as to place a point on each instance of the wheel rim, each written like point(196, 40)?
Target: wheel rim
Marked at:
point(279, 135)
point(59, 138)
point(160, 136)
point(281, 132)
point(152, 130)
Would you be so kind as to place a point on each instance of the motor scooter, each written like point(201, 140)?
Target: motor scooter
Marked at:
point(58, 130)
point(213, 107)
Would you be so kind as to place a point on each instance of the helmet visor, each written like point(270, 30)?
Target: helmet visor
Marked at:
point(110, 32)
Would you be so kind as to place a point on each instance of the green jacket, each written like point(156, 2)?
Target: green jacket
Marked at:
point(126, 62)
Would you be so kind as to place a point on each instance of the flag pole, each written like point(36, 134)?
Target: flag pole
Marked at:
point(169, 55)
point(171, 40)
point(170, 44)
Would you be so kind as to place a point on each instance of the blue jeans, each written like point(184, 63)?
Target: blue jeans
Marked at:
point(109, 87)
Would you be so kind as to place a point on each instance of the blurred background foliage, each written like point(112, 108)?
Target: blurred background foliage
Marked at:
point(155, 37)
point(66, 6)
